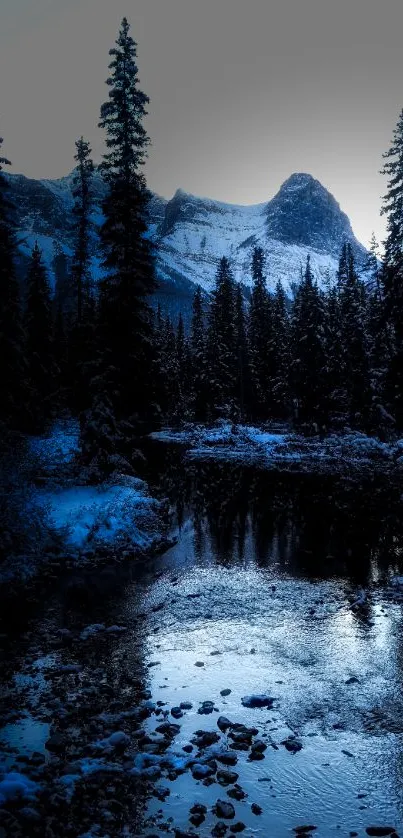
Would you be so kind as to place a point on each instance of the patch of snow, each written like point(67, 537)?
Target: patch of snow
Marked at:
point(269, 448)
point(104, 515)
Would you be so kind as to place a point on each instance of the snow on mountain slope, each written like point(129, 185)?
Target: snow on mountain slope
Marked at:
point(302, 218)
point(193, 233)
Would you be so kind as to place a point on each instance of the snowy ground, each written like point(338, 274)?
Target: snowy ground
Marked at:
point(78, 524)
point(268, 448)
point(120, 512)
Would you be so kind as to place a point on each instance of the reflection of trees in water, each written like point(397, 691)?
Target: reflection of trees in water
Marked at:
point(306, 523)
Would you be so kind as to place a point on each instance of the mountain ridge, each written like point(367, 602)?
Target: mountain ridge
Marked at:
point(192, 233)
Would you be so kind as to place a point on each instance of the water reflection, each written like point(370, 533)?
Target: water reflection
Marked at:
point(308, 525)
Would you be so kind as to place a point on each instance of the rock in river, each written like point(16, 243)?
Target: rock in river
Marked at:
point(257, 701)
point(223, 809)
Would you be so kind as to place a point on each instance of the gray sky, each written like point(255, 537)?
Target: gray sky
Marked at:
point(243, 92)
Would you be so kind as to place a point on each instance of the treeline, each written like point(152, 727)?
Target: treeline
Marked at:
point(331, 357)
point(321, 360)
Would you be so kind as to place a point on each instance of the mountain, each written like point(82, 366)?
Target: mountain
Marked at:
point(192, 233)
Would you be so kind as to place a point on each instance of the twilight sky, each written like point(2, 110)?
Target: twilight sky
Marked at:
point(243, 92)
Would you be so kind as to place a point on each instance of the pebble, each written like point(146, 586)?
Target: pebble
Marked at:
point(237, 793)
point(219, 829)
point(227, 778)
point(199, 771)
point(292, 744)
point(257, 701)
point(223, 809)
point(223, 723)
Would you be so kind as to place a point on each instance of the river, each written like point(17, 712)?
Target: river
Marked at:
point(254, 599)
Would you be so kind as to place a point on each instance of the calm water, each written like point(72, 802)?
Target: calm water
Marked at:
point(258, 590)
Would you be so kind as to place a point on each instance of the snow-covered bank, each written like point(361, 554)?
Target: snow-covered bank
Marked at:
point(272, 449)
point(119, 513)
point(77, 524)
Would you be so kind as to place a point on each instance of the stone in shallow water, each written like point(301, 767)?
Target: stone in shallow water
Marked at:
point(379, 831)
point(223, 809)
point(168, 729)
point(225, 692)
point(237, 793)
point(292, 744)
point(259, 746)
point(237, 827)
point(226, 758)
point(206, 708)
point(198, 808)
point(176, 712)
point(199, 663)
point(256, 809)
point(198, 814)
point(223, 723)
point(199, 771)
point(303, 830)
point(227, 778)
point(257, 701)
point(204, 738)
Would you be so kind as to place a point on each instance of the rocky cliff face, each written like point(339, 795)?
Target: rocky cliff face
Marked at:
point(304, 213)
point(192, 233)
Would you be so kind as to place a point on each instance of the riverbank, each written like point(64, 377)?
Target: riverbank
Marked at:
point(268, 448)
point(65, 522)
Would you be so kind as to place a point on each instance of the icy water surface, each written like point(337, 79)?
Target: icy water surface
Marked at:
point(255, 598)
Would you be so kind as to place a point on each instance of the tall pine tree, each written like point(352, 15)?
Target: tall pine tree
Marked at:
point(221, 342)
point(392, 272)
point(81, 338)
point(39, 340)
point(125, 316)
point(199, 398)
point(309, 362)
point(354, 358)
point(260, 338)
point(243, 383)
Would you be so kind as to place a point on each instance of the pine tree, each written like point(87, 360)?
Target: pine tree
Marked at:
point(280, 353)
point(260, 317)
point(83, 204)
point(243, 384)
point(64, 299)
point(308, 353)
point(12, 361)
point(221, 346)
point(354, 359)
point(128, 261)
point(184, 368)
point(198, 358)
point(335, 395)
point(380, 337)
point(392, 272)
point(171, 373)
point(81, 338)
point(39, 339)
